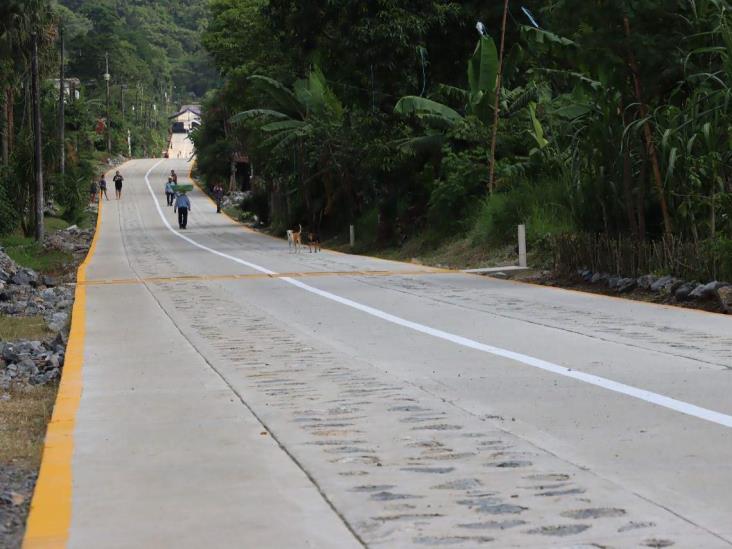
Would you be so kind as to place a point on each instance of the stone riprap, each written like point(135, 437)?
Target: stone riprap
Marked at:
point(26, 293)
point(674, 289)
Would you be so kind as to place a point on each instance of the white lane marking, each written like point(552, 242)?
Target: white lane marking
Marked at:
point(608, 384)
point(190, 240)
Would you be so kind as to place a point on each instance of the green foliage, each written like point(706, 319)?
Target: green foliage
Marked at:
point(539, 205)
point(451, 197)
point(27, 252)
point(584, 102)
point(9, 215)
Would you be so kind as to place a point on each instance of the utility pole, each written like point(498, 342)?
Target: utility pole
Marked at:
point(497, 104)
point(37, 143)
point(109, 120)
point(61, 121)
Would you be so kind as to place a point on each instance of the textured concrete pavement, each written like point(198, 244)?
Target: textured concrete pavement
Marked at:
point(353, 401)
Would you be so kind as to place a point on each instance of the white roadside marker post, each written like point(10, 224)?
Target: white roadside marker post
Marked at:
point(522, 246)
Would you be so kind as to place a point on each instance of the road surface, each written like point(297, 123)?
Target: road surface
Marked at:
point(237, 394)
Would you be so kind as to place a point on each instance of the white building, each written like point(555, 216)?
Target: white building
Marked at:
point(187, 115)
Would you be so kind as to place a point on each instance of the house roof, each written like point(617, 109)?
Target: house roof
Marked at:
point(195, 109)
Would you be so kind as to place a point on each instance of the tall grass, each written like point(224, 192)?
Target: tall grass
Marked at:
point(704, 261)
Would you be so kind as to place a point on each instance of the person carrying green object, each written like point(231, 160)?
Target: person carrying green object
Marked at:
point(182, 207)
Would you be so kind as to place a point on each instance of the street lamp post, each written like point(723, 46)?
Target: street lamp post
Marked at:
point(109, 121)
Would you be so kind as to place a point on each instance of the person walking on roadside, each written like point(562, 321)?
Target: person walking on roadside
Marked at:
point(174, 177)
point(103, 187)
point(169, 192)
point(182, 206)
point(118, 179)
point(93, 192)
point(218, 192)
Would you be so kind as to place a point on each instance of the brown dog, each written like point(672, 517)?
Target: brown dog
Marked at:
point(313, 242)
point(297, 239)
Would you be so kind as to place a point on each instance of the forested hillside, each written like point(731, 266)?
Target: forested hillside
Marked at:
point(152, 42)
point(612, 134)
point(155, 62)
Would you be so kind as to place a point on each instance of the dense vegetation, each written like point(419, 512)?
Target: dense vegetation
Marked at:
point(613, 119)
point(156, 62)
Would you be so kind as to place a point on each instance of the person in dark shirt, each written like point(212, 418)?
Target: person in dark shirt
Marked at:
point(118, 179)
point(218, 192)
point(174, 177)
point(182, 206)
point(103, 188)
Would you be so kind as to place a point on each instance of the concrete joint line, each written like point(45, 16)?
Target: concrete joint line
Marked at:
point(650, 397)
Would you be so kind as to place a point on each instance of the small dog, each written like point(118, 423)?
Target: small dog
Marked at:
point(296, 238)
point(313, 242)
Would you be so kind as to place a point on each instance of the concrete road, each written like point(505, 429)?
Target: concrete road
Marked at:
point(238, 394)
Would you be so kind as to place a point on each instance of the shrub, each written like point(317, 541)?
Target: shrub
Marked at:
point(538, 206)
point(9, 216)
point(257, 202)
point(452, 197)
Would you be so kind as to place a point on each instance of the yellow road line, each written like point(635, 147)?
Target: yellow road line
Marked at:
point(258, 276)
point(50, 513)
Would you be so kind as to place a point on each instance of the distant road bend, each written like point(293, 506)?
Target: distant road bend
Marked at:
point(236, 394)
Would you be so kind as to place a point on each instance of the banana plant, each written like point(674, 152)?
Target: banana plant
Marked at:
point(302, 121)
point(289, 114)
point(477, 101)
point(482, 71)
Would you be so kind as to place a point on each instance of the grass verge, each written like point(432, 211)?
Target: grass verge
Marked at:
point(27, 252)
point(24, 413)
point(23, 419)
point(14, 328)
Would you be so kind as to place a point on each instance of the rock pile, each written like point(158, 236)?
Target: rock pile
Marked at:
point(34, 362)
point(671, 287)
point(73, 240)
point(25, 293)
point(235, 198)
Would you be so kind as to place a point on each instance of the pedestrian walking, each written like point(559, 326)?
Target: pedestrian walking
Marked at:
point(118, 179)
point(169, 192)
point(182, 206)
point(174, 177)
point(103, 188)
point(93, 192)
point(218, 192)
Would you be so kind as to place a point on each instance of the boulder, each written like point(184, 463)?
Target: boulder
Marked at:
point(613, 281)
point(26, 367)
point(626, 285)
point(598, 278)
point(9, 353)
point(49, 281)
point(645, 282)
point(682, 292)
point(708, 291)
point(724, 294)
point(58, 321)
point(22, 277)
point(666, 285)
point(661, 283)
